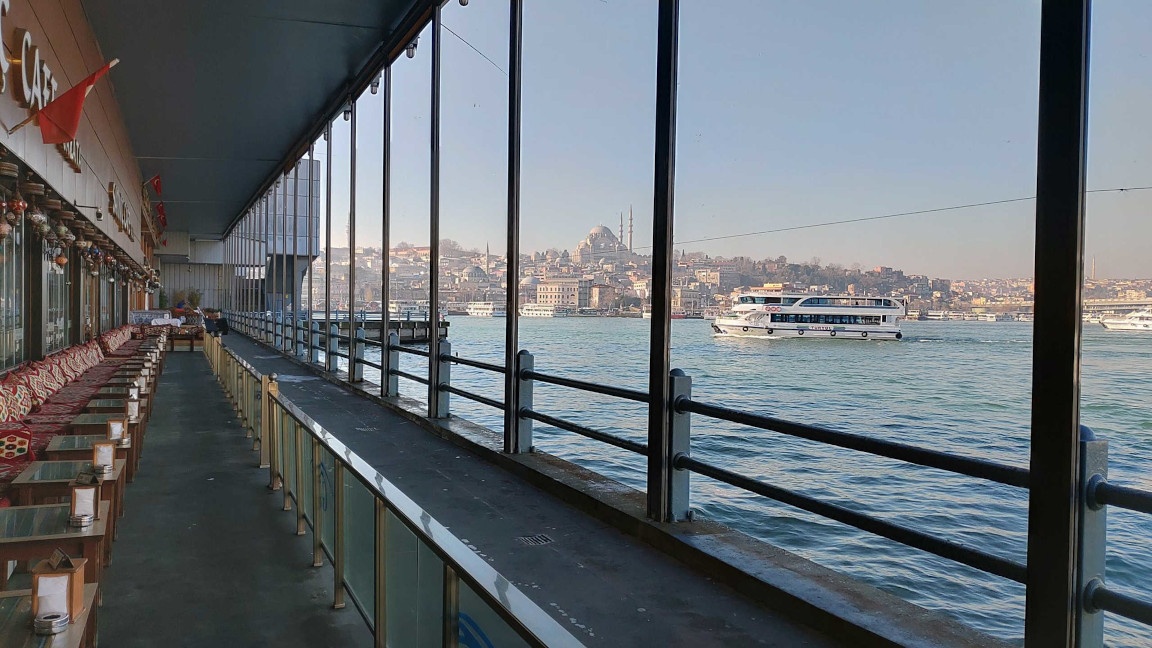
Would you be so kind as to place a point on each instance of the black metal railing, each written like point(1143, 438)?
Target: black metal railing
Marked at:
point(1098, 493)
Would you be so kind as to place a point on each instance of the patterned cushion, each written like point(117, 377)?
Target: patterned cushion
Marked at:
point(15, 441)
point(15, 399)
point(37, 383)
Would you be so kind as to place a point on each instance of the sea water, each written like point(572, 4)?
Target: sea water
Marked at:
point(960, 387)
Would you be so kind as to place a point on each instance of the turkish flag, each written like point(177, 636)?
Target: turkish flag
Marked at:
point(155, 182)
point(162, 217)
point(60, 119)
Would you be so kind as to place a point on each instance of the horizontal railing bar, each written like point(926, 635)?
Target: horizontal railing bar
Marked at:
point(1122, 604)
point(473, 363)
point(338, 354)
point(371, 342)
point(1123, 497)
point(405, 374)
point(943, 548)
point(632, 446)
point(979, 468)
point(618, 392)
point(369, 363)
point(490, 402)
point(403, 349)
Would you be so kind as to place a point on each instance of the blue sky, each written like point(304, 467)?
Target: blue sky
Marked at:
point(789, 113)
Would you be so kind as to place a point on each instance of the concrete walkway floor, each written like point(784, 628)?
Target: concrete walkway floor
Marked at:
point(608, 588)
point(205, 555)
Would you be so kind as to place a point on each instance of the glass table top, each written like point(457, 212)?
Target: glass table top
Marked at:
point(29, 521)
point(107, 402)
point(58, 470)
point(97, 419)
point(74, 441)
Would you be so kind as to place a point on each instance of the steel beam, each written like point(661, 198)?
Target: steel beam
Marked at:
point(434, 227)
point(1052, 610)
point(512, 442)
point(659, 406)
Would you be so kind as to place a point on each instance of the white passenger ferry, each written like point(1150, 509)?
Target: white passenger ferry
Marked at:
point(1140, 321)
point(544, 310)
point(486, 309)
point(784, 315)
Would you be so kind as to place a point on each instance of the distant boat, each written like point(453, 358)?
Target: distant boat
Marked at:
point(1138, 321)
point(486, 309)
point(784, 315)
point(544, 310)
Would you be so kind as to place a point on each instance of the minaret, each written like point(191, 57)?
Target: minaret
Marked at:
point(620, 232)
point(629, 228)
point(487, 265)
point(1093, 267)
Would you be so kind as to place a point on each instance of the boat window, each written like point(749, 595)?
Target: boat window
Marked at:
point(744, 299)
point(761, 300)
point(788, 301)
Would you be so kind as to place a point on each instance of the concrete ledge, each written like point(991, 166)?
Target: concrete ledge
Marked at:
point(839, 605)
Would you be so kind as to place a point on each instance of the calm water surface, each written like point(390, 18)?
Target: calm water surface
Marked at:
point(962, 387)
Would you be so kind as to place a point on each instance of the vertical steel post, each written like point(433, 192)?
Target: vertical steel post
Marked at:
point(329, 361)
point(380, 556)
point(280, 297)
point(352, 341)
point(385, 240)
point(1051, 618)
point(311, 258)
point(659, 435)
point(680, 426)
point(444, 375)
point(338, 536)
point(512, 443)
point(1093, 538)
point(287, 423)
point(266, 259)
point(434, 226)
point(356, 358)
point(391, 379)
point(451, 607)
point(522, 426)
point(317, 510)
point(295, 258)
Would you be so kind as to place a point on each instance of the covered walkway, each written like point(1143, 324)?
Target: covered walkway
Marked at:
point(206, 557)
point(606, 587)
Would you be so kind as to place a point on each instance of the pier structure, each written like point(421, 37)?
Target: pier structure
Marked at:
point(286, 499)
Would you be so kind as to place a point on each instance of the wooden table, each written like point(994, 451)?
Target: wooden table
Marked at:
point(44, 480)
point(191, 339)
point(34, 532)
point(114, 406)
point(16, 623)
point(98, 424)
point(78, 447)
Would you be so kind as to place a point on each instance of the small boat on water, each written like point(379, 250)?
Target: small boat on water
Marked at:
point(784, 315)
point(486, 309)
point(1138, 321)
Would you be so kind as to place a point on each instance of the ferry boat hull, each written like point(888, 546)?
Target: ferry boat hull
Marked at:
point(1141, 321)
point(737, 328)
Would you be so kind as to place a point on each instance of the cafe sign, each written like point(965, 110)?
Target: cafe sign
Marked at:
point(37, 84)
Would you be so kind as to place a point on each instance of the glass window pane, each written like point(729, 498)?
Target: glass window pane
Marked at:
point(415, 588)
point(480, 625)
point(360, 541)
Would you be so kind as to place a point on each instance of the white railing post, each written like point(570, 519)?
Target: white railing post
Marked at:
point(392, 364)
point(522, 442)
point(679, 386)
point(1093, 538)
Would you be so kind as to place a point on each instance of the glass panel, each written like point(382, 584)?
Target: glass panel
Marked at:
point(290, 432)
point(369, 221)
point(409, 258)
point(868, 175)
point(415, 588)
point(480, 625)
point(473, 197)
point(327, 498)
point(360, 541)
point(341, 193)
point(59, 288)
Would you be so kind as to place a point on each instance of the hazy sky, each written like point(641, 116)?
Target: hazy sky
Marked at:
point(790, 113)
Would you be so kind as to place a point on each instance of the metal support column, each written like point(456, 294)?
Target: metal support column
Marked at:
point(512, 442)
point(311, 257)
point(317, 509)
point(1053, 602)
point(295, 257)
point(659, 411)
point(434, 226)
point(386, 222)
point(352, 341)
point(329, 360)
point(274, 294)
